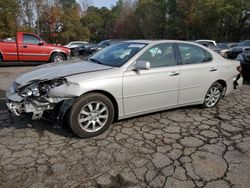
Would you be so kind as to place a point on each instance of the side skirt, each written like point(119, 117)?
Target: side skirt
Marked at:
point(159, 110)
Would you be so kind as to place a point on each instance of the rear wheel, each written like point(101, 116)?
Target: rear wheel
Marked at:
point(1, 59)
point(57, 58)
point(91, 115)
point(213, 95)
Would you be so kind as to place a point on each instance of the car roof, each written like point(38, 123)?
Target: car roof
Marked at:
point(201, 40)
point(160, 41)
point(78, 42)
point(155, 42)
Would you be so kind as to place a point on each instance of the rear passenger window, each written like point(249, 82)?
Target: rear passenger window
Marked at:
point(191, 54)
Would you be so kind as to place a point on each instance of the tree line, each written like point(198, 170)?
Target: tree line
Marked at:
point(61, 21)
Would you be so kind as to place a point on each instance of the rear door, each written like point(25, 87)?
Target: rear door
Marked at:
point(198, 72)
point(30, 49)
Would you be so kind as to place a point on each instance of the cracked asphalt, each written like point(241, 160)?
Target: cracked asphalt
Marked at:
point(186, 147)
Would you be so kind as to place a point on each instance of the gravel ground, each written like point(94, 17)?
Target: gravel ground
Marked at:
point(186, 147)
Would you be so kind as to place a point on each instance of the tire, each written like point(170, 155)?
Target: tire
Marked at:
point(57, 58)
point(213, 95)
point(87, 123)
point(75, 53)
point(1, 59)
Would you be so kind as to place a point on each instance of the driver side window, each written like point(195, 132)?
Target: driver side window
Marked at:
point(30, 39)
point(161, 55)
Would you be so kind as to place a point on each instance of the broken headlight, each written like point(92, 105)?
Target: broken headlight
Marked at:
point(40, 88)
point(45, 87)
point(30, 90)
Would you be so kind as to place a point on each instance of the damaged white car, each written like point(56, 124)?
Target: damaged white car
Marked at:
point(127, 79)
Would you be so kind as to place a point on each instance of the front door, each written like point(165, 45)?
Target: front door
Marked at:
point(30, 50)
point(156, 88)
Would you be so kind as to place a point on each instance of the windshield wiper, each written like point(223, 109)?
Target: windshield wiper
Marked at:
point(96, 61)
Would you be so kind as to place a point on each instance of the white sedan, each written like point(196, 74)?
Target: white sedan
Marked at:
point(124, 80)
point(75, 44)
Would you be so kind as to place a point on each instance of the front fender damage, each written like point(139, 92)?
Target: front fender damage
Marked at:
point(68, 90)
point(54, 99)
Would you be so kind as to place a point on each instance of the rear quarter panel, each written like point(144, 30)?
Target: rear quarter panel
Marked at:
point(228, 72)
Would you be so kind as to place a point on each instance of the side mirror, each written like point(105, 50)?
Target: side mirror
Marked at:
point(141, 65)
point(40, 43)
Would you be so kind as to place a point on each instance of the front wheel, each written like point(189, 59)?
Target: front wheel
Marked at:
point(91, 115)
point(213, 95)
point(57, 58)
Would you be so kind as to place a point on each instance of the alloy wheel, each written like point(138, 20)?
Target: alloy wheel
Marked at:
point(93, 116)
point(213, 96)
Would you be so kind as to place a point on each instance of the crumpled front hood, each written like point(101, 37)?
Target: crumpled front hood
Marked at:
point(58, 70)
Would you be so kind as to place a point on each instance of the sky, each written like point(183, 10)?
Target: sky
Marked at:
point(104, 3)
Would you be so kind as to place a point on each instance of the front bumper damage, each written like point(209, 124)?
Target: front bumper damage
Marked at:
point(35, 107)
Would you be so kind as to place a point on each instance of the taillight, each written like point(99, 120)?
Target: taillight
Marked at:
point(239, 69)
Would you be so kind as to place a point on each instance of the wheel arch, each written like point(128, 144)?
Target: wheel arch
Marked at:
point(57, 52)
point(224, 86)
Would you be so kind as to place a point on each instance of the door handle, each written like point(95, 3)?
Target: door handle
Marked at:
point(173, 73)
point(213, 69)
point(25, 46)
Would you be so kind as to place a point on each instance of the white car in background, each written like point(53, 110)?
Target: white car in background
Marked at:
point(206, 42)
point(210, 44)
point(127, 79)
point(75, 44)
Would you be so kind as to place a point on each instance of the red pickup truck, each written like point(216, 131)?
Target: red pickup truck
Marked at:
point(30, 47)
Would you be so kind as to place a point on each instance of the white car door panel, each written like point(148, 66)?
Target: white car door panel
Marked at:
point(150, 89)
point(198, 72)
point(195, 80)
point(156, 88)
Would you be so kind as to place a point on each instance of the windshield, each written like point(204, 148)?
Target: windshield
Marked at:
point(244, 43)
point(104, 43)
point(117, 55)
